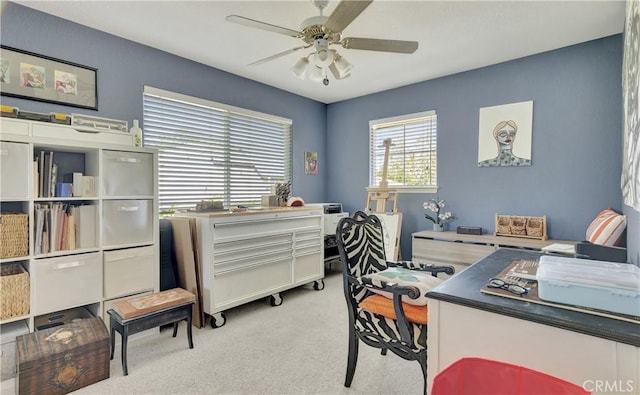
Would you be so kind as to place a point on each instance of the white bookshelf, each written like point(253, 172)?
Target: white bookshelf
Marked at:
point(123, 258)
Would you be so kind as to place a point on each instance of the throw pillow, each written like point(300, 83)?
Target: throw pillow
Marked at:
point(378, 304)
point(424, 281)
point(607, 228)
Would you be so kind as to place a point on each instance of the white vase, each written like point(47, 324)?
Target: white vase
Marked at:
point(438, 227)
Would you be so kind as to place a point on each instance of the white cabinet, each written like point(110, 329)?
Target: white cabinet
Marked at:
point(461, 250)
point(115, 252)
point(247, 256)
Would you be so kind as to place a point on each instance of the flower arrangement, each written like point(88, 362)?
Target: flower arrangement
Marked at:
point(439, 218)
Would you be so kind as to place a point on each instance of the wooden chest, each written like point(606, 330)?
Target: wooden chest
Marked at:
point(64, 358)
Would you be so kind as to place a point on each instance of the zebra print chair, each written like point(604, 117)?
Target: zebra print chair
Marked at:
point(360, 242)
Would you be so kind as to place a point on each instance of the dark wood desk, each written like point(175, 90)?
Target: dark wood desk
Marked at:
point(571, 345)
point(131, 326)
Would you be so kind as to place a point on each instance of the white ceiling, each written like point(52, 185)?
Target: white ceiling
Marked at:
point(453, 36)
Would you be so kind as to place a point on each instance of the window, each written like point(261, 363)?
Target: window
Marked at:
point(208, 150)
point(412, 162)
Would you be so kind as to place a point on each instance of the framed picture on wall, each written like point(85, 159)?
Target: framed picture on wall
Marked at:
point(504, 136)
point(311, 163)
point(30, 76)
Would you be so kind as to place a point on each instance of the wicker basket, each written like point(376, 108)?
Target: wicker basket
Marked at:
point(14, 291)
point(14, 235)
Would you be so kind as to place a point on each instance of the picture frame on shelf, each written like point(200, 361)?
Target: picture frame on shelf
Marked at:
point(27, 75)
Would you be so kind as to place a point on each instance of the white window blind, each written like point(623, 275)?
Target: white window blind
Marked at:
point(412, 162)
point(208, 150)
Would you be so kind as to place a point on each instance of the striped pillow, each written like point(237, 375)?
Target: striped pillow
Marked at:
point(607, 228)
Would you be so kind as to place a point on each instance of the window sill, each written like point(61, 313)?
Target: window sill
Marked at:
point(430, 189)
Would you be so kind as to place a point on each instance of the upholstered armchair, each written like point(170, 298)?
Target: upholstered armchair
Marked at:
point(386, 300)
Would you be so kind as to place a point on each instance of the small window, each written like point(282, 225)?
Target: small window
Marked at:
point(209, 150)
point(412, 161)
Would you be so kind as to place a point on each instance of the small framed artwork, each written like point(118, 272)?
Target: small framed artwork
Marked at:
point(27, 75)
point(310, 163)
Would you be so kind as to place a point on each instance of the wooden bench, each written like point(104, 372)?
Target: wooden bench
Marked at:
point(147, 312)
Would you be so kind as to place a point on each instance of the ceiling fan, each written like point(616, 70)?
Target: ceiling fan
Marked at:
point(321, 32)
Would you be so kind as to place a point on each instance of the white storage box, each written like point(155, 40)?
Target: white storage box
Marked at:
point(127, 173)
point(15, 169)
point(8, 334)
point(600, 285)
point(127, 222)
point(128, 271)
point(66, 281)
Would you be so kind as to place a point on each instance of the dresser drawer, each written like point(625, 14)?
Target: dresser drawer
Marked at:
point(14, 170)
point(236, 285)
point(128, 271)
point(127, 173)
point(127, 222)
point(66, 282)
point(446, 252)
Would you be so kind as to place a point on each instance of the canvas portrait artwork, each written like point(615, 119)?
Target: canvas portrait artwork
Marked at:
point(504, 135)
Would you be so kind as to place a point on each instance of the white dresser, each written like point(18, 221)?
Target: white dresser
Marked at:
point(255, 254)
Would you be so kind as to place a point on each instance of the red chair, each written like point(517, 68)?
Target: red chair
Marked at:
point(477, 376)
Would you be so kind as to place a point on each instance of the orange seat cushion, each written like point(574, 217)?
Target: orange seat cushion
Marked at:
point(378, 304)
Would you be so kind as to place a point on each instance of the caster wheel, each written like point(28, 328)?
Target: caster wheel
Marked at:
point(275, 300)
point(218, 320)
point(318, 285)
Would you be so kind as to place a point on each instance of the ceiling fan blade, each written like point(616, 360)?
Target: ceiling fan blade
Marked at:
point(374, 44)
point(263, 25)
point(345, 13)
point(278, 55)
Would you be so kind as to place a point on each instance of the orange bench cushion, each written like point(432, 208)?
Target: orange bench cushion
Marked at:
point(378, 304)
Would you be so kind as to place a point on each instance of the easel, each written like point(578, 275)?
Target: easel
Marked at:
point(382, 196)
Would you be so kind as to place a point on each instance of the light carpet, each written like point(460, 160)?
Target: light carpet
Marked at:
point(299, 347)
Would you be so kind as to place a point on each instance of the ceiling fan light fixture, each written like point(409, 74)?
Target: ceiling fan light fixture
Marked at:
point(323, 58)
point(300, 68)
point(317, 74)
point(342, 66)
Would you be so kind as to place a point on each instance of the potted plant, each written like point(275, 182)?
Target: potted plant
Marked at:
point(438, 218)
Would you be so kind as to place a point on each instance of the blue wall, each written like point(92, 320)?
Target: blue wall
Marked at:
point(124, 67)
point(576, 147)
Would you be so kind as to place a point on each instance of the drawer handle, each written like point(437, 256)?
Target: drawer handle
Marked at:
point(87, 131)
point(128, 208)
point(128, 160)
point(68, 265)
point(308, 253)
point(223, 272)
point(123, 257)
point(254, 222)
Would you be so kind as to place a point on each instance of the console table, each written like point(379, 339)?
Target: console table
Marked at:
point(461, 250)
point(601, 354)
